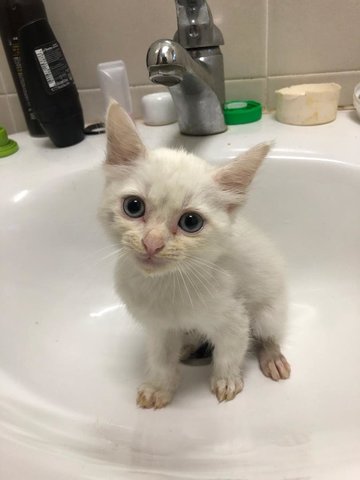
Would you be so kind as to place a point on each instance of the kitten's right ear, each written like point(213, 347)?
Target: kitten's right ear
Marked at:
point(123, 142)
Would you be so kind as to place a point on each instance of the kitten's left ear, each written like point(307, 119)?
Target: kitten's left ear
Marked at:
point(123, 142)
point(235, 177)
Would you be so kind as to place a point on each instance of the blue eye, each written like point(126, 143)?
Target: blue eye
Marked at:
point(191, 222)
point(134, 207)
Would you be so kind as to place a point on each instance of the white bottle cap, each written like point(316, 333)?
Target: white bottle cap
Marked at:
point(158, 109)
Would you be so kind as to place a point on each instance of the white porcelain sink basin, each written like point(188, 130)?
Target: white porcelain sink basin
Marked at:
point(71, 358)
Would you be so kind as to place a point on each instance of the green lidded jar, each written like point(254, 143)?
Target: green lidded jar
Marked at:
point(242, 111)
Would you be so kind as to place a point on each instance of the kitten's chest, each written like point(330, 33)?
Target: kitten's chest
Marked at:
point(171, 302)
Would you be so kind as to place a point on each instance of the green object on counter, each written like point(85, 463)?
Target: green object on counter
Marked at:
point(242, 111)
point(7, 146)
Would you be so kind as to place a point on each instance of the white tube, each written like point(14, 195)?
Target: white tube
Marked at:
point(114, 84)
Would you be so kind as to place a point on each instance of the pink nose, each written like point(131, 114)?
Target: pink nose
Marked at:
point(153, 242)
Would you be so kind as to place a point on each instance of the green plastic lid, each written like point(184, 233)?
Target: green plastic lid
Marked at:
point(7, 146)
point(242, 111)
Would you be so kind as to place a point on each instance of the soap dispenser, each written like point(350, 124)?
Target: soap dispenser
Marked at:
point(13, 15)
point(50, 84)
point(41, 73)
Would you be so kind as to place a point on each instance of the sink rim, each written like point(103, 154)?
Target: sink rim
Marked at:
point(43, 170)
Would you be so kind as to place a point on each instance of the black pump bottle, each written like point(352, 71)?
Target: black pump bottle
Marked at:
point(14, 14)
point(50, 85)
point(42, 76)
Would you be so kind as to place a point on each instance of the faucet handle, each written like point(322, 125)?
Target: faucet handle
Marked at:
point(196, 28)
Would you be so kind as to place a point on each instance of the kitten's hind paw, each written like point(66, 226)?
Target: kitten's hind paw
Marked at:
point(274, 365)
point(150, 397)
point(226, 388)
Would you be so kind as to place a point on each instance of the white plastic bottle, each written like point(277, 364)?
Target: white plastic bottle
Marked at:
point(114, 84)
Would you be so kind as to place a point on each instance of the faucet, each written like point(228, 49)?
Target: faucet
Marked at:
point(191, 66)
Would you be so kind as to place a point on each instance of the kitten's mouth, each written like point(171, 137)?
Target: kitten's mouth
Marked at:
point(150, 262)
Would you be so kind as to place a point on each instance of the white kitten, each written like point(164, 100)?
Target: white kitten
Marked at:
point(188, 263)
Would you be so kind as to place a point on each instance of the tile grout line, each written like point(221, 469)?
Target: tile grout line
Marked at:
point(266, 54)
point(11, 114)
point(313, 74)
point(266, 77)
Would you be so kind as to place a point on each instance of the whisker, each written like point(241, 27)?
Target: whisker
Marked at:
point(173, 283)
point(119, 253)
point(112, 254)
point(178, 282)
point(89, 256)
point(194, 285)
point(206, 275)
point(207, 264)
point(186, 287)
point(200, 279)
point(91, 266)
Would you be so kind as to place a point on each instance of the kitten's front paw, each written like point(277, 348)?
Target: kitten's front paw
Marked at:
point(226, 388)
point(149, 396)
point(274, 365)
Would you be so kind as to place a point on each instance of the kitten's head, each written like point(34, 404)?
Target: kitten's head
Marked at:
point(168, 208)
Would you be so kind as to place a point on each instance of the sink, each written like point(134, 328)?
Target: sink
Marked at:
point(71, 357)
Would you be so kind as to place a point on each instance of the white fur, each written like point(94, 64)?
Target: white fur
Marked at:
point(225, 283)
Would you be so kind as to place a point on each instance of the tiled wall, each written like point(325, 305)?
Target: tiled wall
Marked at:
point(268, 44)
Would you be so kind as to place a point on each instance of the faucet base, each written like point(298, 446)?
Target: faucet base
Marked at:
point(199, 111)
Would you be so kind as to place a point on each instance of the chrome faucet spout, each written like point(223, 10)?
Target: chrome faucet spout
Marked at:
point(192, 68)
point(168, 63)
